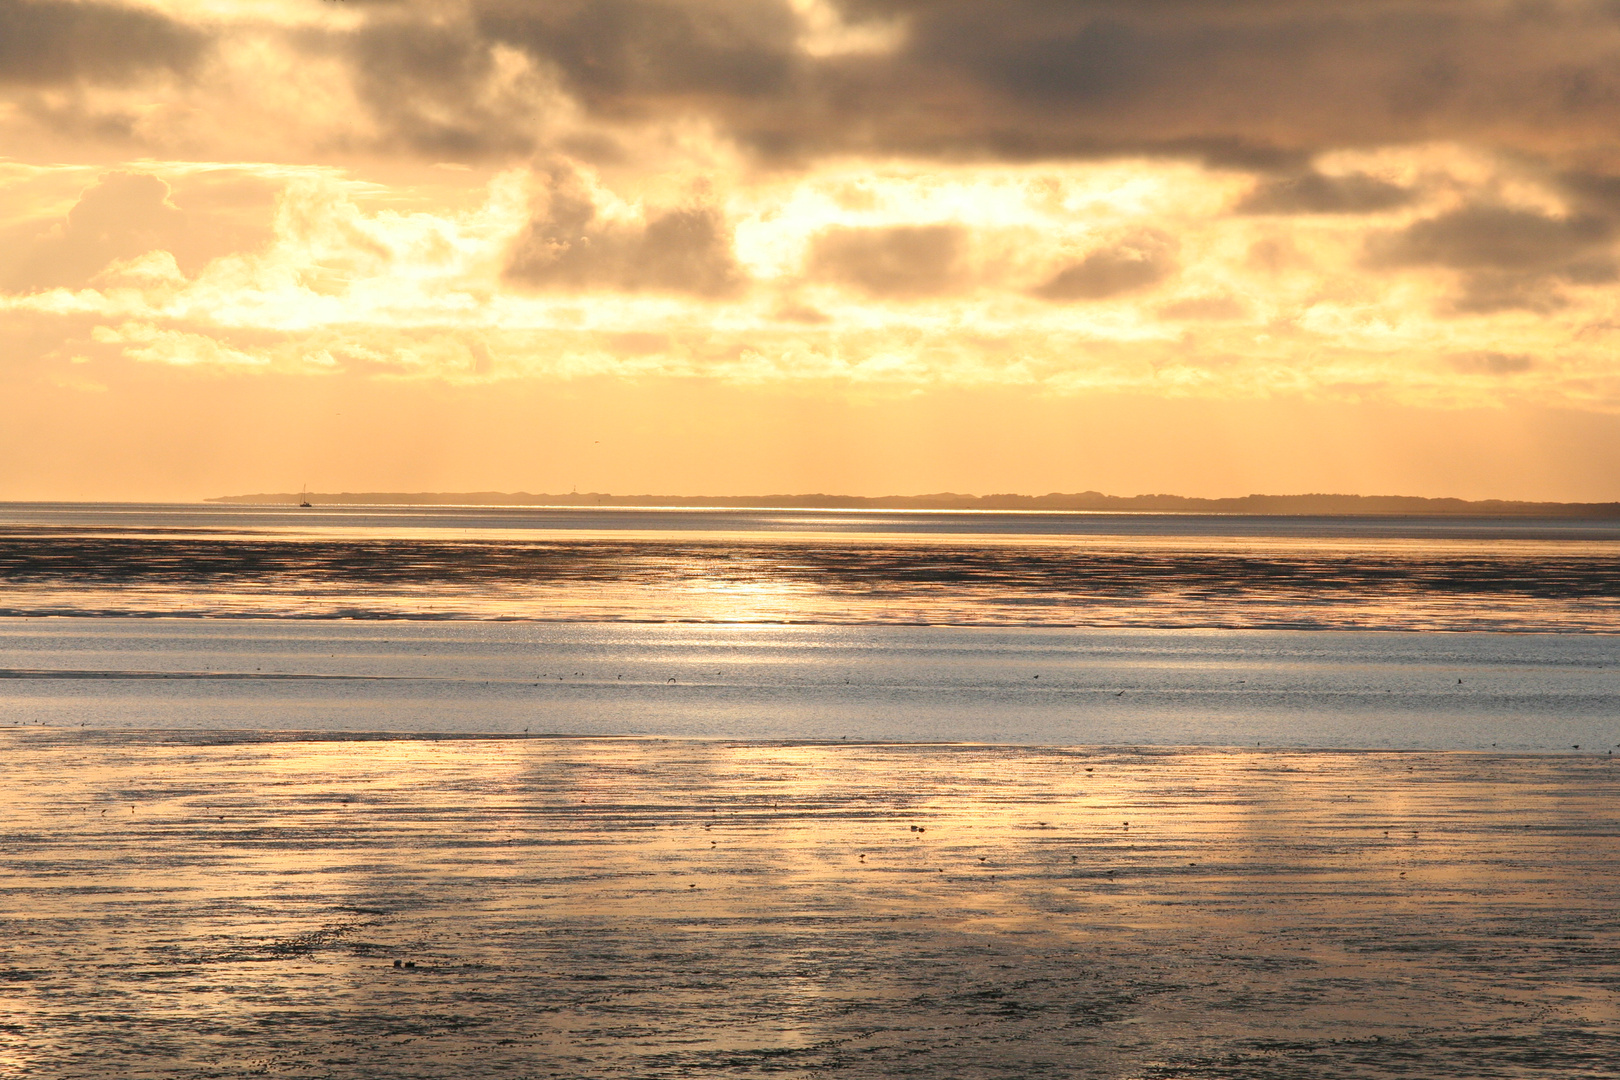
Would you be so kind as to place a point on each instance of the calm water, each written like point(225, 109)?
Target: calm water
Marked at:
point(983, 569)
point(1017, 628)
point(243, 784)
point(515, 521)
point(1544, 692)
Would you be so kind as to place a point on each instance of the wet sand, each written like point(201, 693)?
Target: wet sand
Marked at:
point(180, 904)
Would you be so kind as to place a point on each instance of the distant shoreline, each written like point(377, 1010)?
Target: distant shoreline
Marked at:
point(1092, 501)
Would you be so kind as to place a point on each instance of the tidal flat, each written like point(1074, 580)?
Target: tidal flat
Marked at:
point(224, 904)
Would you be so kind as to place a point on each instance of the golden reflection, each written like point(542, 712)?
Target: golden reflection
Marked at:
point(710, 574)
point(662, 901)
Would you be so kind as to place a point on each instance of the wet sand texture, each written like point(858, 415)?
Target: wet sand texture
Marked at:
point(179, 905)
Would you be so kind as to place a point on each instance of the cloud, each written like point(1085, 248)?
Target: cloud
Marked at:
point(624, 55)
point(900, 262)
point(1507, 257)
point(1313, 193)
point(1490, 363)
point(1495, 238)
point(442, 91)
point(59, 41)
point(1256, 84)
point(569, 244)
point(1205, 309)
point(177, 348)
point(1138, 263)
point(122, 216)
point(133, 222)
point(1597, 193)
point(460, 276)
point(1260, 85)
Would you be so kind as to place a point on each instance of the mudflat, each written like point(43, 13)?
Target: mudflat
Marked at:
point(195, 904)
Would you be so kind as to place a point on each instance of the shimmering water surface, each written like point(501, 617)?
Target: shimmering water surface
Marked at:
point(330, 794)
point(986, 569)
point(988, 627)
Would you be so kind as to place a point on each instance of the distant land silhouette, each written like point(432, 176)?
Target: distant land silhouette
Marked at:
point(1369, 505)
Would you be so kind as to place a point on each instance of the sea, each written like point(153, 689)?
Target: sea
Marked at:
point(1055, 629)
point(467, 793)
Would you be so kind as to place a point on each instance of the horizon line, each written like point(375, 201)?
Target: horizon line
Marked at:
point(1059, 502)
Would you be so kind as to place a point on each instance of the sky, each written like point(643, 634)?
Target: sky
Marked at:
point(777, 246)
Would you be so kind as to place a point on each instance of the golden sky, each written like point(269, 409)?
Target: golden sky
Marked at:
point(866, 246)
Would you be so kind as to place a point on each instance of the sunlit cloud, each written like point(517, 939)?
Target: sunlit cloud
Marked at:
point(1066, 278)
point(1186, 201)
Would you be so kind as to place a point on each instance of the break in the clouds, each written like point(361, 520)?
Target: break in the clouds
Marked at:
point(1379, 200)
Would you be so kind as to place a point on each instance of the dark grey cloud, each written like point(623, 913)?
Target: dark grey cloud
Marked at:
point(1257, 85)
point(1591, 192)
point(425, 83)
point(1507, 257)
point(57, 41)
point(623, 55)
point(567, 245)
point(1314, 193)
point(1137, 264)
point(902, 262)
point(1254, 83)
point(1490, 363)
point(1495, 238)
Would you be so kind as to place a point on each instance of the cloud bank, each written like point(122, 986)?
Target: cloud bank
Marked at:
point(1387, 201)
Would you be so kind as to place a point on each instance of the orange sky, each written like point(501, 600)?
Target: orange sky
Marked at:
point(750, 246)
